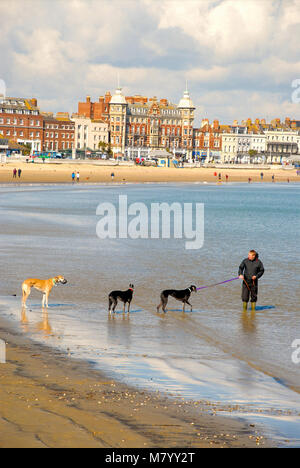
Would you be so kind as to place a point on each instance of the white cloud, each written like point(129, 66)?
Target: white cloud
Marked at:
point(239, 56)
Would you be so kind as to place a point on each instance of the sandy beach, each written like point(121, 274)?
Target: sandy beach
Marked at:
point(215, 360)
point(92, 173)
point(50, 400)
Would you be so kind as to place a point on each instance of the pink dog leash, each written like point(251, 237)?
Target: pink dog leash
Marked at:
point(216, 284)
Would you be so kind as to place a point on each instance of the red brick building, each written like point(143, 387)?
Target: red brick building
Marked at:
point(209, 136)
point(21, 121)
point(95, 110)
point(59, 132)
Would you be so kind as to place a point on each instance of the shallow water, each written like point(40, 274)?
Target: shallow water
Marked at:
point(217, 353)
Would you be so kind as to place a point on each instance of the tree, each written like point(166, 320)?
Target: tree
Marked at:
point(105, 148)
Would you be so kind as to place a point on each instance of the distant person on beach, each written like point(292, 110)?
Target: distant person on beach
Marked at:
point(19, 173)
point(261, 176)
point(73, 177)
point(15, 173)
point(249, 180)
point(250, 270)
point(112, 176)
point(227, 176)
point(273, 178)
point(78, 176)
point(220, 177)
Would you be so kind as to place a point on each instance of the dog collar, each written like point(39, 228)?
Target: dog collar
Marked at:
point(54, 282)
point(190, 290)
point(130, 289)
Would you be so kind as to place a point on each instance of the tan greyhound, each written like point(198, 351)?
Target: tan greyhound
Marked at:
point(45, 286)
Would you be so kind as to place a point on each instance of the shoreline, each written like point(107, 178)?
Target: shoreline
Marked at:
point(90, 173)
point(51, 400)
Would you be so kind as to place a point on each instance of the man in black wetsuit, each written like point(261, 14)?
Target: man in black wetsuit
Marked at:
point(251, 269)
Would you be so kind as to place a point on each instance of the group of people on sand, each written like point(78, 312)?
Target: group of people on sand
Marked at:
point(17, 173)
point(75, 176)
point(249, 178)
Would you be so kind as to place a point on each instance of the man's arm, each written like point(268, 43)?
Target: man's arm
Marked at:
point(261, 270)
point(242, 268)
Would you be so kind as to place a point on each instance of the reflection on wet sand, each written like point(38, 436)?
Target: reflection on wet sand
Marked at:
point(249, 321)
point(44, 325)
point(24, 318)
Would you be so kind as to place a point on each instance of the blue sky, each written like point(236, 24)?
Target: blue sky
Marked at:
point(240, 57)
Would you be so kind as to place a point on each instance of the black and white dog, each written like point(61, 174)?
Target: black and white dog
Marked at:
point(123, 296)
point(182, 296)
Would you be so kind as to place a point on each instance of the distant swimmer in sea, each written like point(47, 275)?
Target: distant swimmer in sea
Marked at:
point(250, 270)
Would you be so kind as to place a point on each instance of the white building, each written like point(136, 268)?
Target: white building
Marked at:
point(281, 144)
point(236, 147)
point(89, 133)
point(3, 149)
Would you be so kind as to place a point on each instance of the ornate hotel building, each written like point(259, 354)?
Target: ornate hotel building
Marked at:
point(140, 122)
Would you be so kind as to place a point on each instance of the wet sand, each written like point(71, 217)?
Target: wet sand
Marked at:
point(51, 400)
point(92, 173)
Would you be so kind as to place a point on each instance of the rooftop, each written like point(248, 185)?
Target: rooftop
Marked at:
point(18, 103)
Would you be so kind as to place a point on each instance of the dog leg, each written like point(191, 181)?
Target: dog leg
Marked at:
point(114, 306)
point(47, 298)
point(26, 293)
point(190, 305)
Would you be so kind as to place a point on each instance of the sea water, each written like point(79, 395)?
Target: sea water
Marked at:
point(217, 353)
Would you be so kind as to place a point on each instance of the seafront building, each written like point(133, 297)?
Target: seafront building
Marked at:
point(281, 143)
point(90, 133)
point(137, 126)
point(21, 121)
point(259, 142)
point(3, 148)
point(207, 140)
point(59, 132)
point(239, 146)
